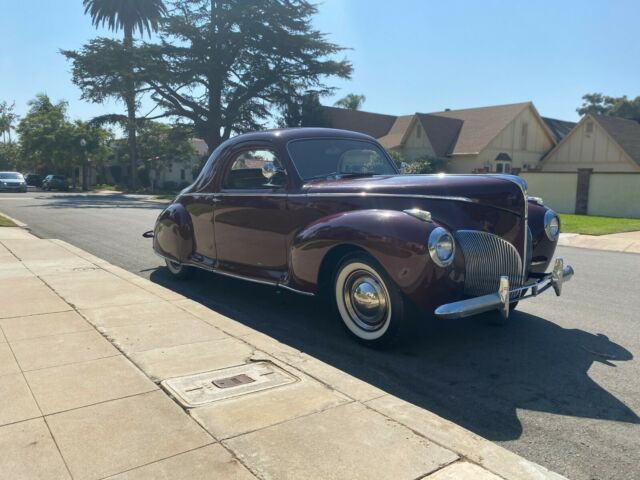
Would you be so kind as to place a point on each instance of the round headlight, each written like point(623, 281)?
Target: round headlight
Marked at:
point(441, 247)
point(551, 225)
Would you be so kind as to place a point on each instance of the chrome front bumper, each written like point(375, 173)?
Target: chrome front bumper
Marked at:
point(500, 300)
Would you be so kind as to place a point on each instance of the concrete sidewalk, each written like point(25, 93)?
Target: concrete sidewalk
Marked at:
point(86, 349)
point(616, 242)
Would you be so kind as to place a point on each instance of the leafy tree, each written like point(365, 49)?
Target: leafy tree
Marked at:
point(304, 111)
point(351, 101)
point(7, 120)
point(226, 65)
point(612, 106)
point(45, 134)
point(130, 16)
point(161, 145)
point(52, 143)
point(9, 156)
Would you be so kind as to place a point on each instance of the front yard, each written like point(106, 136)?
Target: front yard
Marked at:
point(5, 222)
point(590, 225)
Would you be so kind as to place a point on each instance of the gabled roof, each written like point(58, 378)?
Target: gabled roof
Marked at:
point(452, 132)
point(624, 132)
point(398, 131)
point(374, 124)
point(559, 128)
point(481, 125)
point(441, 131)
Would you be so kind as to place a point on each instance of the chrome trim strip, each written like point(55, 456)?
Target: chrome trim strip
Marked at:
point(202, 266)
point(396, 195)
point(333, 194)
point(291, 289)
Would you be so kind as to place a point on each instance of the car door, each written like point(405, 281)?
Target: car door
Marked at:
point(250, 216)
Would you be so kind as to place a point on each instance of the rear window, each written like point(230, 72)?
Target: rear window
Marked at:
point(59, 177)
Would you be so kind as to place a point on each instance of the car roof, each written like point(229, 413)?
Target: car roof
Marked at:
point(283, 135)
point(11, 172)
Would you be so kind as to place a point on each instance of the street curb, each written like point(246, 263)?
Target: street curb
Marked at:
point(467, 445)
point(17, 222)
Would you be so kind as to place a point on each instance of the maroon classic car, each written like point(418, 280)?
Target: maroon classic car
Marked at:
point(327, 212)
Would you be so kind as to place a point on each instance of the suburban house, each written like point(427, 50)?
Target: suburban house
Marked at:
point(502, 138)
point(600, 143)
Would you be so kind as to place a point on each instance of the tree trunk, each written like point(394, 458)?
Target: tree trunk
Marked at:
point(130, 101)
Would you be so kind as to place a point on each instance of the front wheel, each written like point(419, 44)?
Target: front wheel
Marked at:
point(178, 270)
point(368, 302)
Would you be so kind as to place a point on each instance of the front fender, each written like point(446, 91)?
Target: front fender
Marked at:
point(173, 233)
point(543, 249)
point(396, 240)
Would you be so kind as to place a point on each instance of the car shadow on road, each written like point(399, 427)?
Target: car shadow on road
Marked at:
point(81, 201)
point(466, 371)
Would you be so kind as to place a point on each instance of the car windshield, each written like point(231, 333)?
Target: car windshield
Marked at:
point(325, 157)
point(10, 176)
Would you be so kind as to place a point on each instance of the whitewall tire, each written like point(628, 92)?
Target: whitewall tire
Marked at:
point(367, 301)
point(177, 269)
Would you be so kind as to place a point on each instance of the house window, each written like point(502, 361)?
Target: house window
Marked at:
point(523, 136)
point(182, 174)
point(503, 167)
point(588, 130)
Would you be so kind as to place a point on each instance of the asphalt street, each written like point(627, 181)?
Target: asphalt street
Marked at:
point(558, 385)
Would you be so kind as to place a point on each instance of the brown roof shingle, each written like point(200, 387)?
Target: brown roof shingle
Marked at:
point(625, 132)
point(559, 128)
point(373, 124)
point(481, 125)
point(441, 131)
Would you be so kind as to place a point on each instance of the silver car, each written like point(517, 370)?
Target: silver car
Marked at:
point(12, 182)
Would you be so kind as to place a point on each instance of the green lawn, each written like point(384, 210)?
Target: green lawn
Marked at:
point(5, 222)
point(590, 225)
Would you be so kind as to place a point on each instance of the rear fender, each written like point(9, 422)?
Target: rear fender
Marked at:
point(173, 233)
point(393, 238)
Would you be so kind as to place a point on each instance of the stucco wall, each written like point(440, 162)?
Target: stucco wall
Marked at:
point(558, 190)
point(417, 143)
point(614, 195)
point(583, 149)
point(610, 194)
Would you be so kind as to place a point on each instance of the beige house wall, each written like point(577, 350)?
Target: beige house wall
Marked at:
point(584, 149)
point(524, 150)
point(610, 194)
point(416, 144)
point(614, 195)
point(558, 190)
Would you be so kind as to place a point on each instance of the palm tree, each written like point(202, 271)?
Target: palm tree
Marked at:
point(129, 16)
point(351, 101)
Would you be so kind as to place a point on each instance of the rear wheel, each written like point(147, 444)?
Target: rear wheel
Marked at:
point(368, 302)
point(177, 269)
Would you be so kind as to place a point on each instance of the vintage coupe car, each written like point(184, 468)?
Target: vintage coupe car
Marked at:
point(327, 212)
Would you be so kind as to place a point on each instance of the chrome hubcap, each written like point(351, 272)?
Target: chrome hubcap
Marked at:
point(366, 300)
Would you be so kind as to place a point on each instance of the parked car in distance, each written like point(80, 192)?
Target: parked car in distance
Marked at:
point(55, 182)
point(33, 179)
point(326, 212)
point(12, 182)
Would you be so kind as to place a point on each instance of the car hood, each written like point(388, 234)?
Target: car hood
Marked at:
point(499, 191)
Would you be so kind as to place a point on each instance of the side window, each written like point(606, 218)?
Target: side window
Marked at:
point(254, 169)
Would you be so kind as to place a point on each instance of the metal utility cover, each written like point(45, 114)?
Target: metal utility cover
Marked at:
point(202, 388)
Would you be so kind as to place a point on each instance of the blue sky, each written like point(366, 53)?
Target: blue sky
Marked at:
point(408, 55)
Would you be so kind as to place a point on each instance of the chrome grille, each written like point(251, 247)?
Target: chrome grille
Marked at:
point(487, 257)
